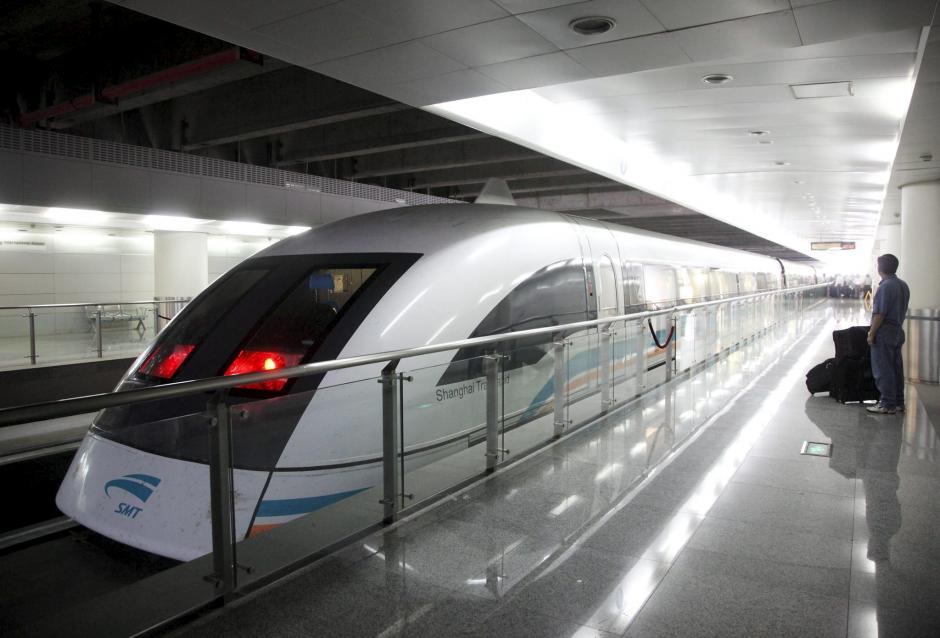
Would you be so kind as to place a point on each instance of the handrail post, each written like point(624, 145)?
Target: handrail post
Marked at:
point(604, 362)
point(671, 346)
point(391, 443)
point(491, 369)
point(561, 389)
point(98, 320)
point(221, 487)
point(32, 336)
point(640, 356)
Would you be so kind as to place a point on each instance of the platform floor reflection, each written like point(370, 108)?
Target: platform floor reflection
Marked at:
point(688, 513)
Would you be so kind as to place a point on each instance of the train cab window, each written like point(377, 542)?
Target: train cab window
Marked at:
point(195, 323)
point(633, 287)
point(660, 286)
point(607, 302)
point(296, 327)
point(551, 296)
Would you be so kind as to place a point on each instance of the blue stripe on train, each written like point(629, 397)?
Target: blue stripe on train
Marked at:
point(294, 506)
point(580, 364)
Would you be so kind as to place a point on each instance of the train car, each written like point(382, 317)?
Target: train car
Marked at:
point(377, 282)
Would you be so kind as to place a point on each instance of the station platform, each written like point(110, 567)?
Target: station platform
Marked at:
point(689, 512)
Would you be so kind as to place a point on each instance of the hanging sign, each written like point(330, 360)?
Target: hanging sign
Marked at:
point(832, 245)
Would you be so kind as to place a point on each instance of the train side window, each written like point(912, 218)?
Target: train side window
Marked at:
point(607, 293)
point(632, 287)
point(551, 296)
point(660, 285)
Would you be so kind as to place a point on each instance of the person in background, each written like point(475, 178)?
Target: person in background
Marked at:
point(886, 336)
point(866, 285)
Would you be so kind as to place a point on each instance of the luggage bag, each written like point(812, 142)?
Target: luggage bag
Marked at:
point(852, 380)
point(851, 342)
point(819, 377)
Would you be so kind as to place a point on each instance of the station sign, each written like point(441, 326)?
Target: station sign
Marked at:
point(832, 245)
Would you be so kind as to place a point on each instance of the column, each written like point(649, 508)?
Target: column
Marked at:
point(920, 242)
point(180, 263)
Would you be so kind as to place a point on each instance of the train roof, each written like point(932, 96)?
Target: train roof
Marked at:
point(429, 228)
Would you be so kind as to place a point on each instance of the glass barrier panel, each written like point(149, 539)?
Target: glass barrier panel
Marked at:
point(307, 469)
point(443, 426)
point(685, 340)
point(14, 337)
point(583, 376)
point(626, 348)
point(63, 334)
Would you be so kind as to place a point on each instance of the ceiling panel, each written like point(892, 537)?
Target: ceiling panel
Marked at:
point(739, 37)
point(551, 68)
point(490, 42)
point(392, 65)
point(634, 54)
point(418, 18)
point(679, 14)
point(841, 19)
point(331, 32)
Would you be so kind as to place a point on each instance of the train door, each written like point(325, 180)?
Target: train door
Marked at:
point(603, 261)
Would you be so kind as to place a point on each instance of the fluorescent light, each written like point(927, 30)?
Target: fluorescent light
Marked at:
point(821, 89)
point(172, 222)
point(296, 230)
point(246, 228)
point(76, 216)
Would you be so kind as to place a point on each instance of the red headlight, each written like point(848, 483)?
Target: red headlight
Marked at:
point(259, 361)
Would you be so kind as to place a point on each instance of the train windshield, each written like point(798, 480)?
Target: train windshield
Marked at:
point(267, 314)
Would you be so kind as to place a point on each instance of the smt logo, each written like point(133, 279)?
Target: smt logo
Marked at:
point(139, 485)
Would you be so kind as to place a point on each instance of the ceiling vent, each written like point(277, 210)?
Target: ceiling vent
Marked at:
point(593, 25)
point(822, 89)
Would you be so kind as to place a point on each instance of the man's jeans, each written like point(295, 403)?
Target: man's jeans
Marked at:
point(886, 365)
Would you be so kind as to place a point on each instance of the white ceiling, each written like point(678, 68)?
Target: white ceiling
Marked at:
point(630, 104)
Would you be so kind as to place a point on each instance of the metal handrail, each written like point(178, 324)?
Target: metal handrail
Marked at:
point(94, 402)
point(80, 305)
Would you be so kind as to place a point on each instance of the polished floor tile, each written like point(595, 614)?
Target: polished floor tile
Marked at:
point(648, 524)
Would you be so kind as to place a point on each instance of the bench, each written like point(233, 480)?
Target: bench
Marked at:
point(117, 313)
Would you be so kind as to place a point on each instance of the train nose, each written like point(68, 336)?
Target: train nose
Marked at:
point(151, 502)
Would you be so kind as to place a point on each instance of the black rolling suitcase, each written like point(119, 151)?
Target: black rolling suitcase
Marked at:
point(852, 380)
point(819, 377)
point(851, 342)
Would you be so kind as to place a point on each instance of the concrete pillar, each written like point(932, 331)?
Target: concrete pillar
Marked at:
point(180, 263)
point(920, 242)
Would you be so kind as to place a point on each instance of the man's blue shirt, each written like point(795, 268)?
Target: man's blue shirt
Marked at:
point(891, 300)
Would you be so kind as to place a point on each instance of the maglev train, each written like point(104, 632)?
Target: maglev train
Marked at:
point(378, 282)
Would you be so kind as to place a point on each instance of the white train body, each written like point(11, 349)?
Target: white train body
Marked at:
point(378, 282)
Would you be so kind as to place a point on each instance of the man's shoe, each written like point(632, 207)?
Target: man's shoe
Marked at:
point(880, 409)
point(900, 408)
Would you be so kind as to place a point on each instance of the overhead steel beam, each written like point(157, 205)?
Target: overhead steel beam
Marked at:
point(477, 152)
point(277, 103)
point(381, 145)
point(466, 176)
point(552, 185)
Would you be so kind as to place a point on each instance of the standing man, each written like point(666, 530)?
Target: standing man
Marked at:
point(886, 336)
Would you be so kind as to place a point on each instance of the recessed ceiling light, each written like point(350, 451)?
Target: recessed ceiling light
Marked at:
point(592, 25)
point(779, 163)
point(798, 181)
point(758, 132)
point(717, 78)
point(765, 141)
